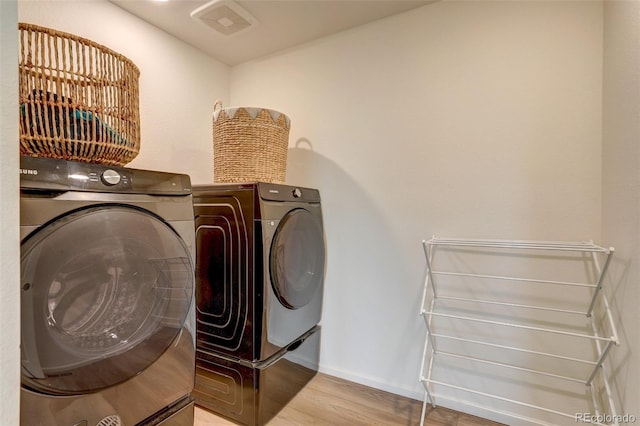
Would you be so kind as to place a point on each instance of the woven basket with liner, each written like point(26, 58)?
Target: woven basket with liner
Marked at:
point(249, 144)
point(78, 99)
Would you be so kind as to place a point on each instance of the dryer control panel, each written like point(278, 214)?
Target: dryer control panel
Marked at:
point(279, 192)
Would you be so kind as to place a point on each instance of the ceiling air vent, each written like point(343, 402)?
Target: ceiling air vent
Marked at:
point(225, 16)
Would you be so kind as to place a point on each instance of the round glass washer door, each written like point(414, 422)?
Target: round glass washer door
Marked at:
point(105, 291)
point(297, 258)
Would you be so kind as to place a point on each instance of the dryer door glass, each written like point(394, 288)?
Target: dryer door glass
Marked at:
point(297, 259)
point(105, 291)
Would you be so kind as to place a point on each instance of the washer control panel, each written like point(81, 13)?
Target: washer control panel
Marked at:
point(60, 175)
point(98, 177)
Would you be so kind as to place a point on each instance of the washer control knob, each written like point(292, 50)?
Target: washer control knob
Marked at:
point(297, 193)
point(110, 177)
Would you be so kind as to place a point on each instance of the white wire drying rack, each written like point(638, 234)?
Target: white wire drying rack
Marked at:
point(603, 404)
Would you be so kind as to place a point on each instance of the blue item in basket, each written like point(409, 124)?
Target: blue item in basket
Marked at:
point(46, 116)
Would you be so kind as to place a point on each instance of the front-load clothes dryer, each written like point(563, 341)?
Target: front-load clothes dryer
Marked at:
point(260, 261)
point(107, 295)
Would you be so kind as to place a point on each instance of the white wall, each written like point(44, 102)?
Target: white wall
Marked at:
point(178, 84)
point(477, 119)
point(9, 237)
point(621, 190)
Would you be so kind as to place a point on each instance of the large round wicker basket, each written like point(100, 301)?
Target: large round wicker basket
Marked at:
point(249, 144)
point(78, 99)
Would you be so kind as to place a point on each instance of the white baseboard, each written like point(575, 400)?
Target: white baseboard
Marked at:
point(408, 393)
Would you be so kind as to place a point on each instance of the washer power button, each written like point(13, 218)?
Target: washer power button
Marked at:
point(110, 177)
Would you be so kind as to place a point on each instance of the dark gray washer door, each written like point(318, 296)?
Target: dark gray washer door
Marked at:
point(105, 290)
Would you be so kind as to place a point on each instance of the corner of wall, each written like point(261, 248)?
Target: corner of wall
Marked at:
point(9, 217)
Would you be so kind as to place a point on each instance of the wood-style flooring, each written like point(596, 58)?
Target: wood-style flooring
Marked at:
point(331, 401)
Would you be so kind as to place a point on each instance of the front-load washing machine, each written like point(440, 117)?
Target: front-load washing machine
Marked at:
point(260, 263)
point(107, 295)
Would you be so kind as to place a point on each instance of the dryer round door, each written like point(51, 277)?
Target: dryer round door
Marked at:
point(297, 258)
point(105, 291)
